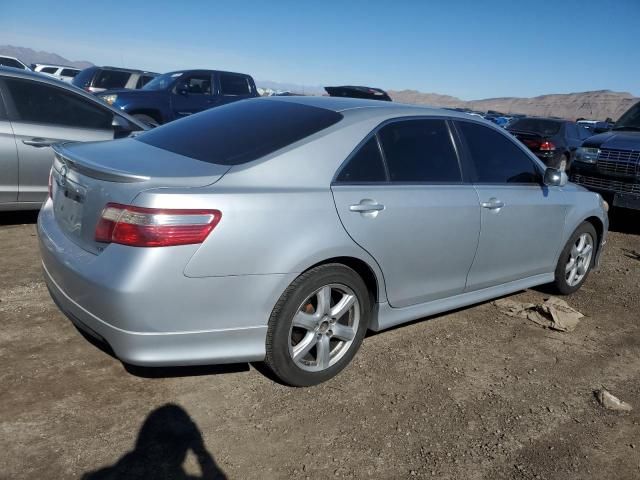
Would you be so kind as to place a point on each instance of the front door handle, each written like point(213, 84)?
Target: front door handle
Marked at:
point(492, 204)
point(39, 142)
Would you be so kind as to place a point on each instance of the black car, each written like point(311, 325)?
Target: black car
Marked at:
point(609, 163)
point(552, 140)
point(98, 79)
point(352, 91)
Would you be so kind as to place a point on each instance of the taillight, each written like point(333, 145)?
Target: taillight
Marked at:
point(154, 227)
point(547, 146)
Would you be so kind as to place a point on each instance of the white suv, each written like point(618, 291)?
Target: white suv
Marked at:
point(60, 72)
point(12, 62)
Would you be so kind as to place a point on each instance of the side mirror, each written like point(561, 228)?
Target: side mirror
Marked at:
point(555, 178)
point(121, 127)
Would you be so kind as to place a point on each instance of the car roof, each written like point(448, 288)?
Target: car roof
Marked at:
point(204, 70)
point(346, 106)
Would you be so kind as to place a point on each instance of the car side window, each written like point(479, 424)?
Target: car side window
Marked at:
point(364, 166)
point(69, 72)
point(110, 79)
point(45, 104)
point(231, 84)
point(49, 70)
point(572, 131)
point(496, 158)
point(197, 84)
point(420, 151)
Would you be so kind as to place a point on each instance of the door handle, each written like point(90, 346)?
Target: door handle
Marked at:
point(492, 204)
point(366, 206)
point(38, 142)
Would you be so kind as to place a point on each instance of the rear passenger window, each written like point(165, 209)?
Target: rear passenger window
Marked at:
point(365, 166)
point(69, 72)
point(496, 158)
point(49, 70)
point(234, 84)
point(420, 151)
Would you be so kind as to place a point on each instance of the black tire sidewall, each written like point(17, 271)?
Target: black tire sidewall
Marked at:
point(560, 274)
point(278, 358)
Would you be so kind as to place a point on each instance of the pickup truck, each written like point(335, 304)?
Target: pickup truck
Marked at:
point(178, 94)
point(609, 163)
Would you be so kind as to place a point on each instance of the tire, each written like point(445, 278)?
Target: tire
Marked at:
point(565, 282)
point(146, 118)
point(293, 349)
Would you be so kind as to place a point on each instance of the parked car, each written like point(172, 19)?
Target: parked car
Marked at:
point(37, 111)
point(61, 72)
point(98, 79)
point(595, 126)
point(283, 228)
point(554, 141)
point(352, 91)
point(609, 162)
point(175, 95)
point(12, 62)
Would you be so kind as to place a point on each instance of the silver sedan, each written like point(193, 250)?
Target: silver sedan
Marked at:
point(282, 229)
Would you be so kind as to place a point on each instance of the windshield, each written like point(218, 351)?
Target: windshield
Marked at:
point(162, 82)
point(536, 125)
point(630, 119)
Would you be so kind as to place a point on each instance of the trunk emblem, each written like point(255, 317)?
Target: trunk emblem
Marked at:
point(63, 175)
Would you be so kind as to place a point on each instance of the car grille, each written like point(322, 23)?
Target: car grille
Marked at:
point(606, 184)
point(619, 162)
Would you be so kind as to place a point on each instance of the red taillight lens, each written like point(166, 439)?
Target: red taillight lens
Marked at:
point(547, 146)
point(154, 227)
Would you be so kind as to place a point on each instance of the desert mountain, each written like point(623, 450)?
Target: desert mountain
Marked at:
point(597, 105)
point(29, 56)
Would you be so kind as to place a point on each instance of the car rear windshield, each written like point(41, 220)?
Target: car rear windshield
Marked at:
point(111, 79)
point(241, 131)
point(536, 125)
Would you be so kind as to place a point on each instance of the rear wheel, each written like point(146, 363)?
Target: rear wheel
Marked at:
point(576, 259)
point(317, 325)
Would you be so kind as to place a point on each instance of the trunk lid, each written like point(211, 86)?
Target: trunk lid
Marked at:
point(531, 140)
point(87, 176)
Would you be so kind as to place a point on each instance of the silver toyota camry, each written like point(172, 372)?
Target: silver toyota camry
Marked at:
point(282, 229)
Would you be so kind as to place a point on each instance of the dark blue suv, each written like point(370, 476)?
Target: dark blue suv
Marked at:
point(175, 95)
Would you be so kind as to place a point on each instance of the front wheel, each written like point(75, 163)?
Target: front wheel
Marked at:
point(317, 325)
point(576, 259)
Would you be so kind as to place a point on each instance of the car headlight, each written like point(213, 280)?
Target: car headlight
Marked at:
point(110, 99)
point(587, 154)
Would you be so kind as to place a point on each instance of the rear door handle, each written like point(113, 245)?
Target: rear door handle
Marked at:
point(492, 204)
point(39, 142)
point(366, 206)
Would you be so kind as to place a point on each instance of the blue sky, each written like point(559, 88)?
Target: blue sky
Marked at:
point(469, 49)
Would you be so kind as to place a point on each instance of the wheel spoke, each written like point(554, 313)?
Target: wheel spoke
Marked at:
point(574, 252)
point(572, 275)
point(581, 242)
point(343, 332)
point(323, 352)
point(304, 320)
point(570, 265)
point(586, 250)
point(324, 301)
point(303, 347)
point(343, 306)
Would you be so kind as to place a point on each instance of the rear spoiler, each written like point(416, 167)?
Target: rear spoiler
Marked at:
point(64, 158)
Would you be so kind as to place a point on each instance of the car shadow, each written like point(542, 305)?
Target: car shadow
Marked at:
point(624, 220)
point(18, 218)
point(167, 435)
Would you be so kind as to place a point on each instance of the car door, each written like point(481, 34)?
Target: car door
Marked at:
point(522, 219)
point(401, 197)
point(8, 159)
point(42, 114)
point(193, 93)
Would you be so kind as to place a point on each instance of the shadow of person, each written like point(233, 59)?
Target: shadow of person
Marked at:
point(164, 440)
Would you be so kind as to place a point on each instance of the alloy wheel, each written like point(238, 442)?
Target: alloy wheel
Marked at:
point(579, 259)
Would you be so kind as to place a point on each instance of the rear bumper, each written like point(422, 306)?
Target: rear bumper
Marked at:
point(148, 311)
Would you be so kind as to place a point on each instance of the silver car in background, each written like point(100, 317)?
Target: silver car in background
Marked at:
point(281, 229)
point(36, 112)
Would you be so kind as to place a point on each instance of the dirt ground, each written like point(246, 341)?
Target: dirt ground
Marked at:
point(473, 394)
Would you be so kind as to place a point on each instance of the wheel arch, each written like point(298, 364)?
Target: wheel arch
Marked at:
point(362, 268)
point(599, 226)
point(153, 113)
